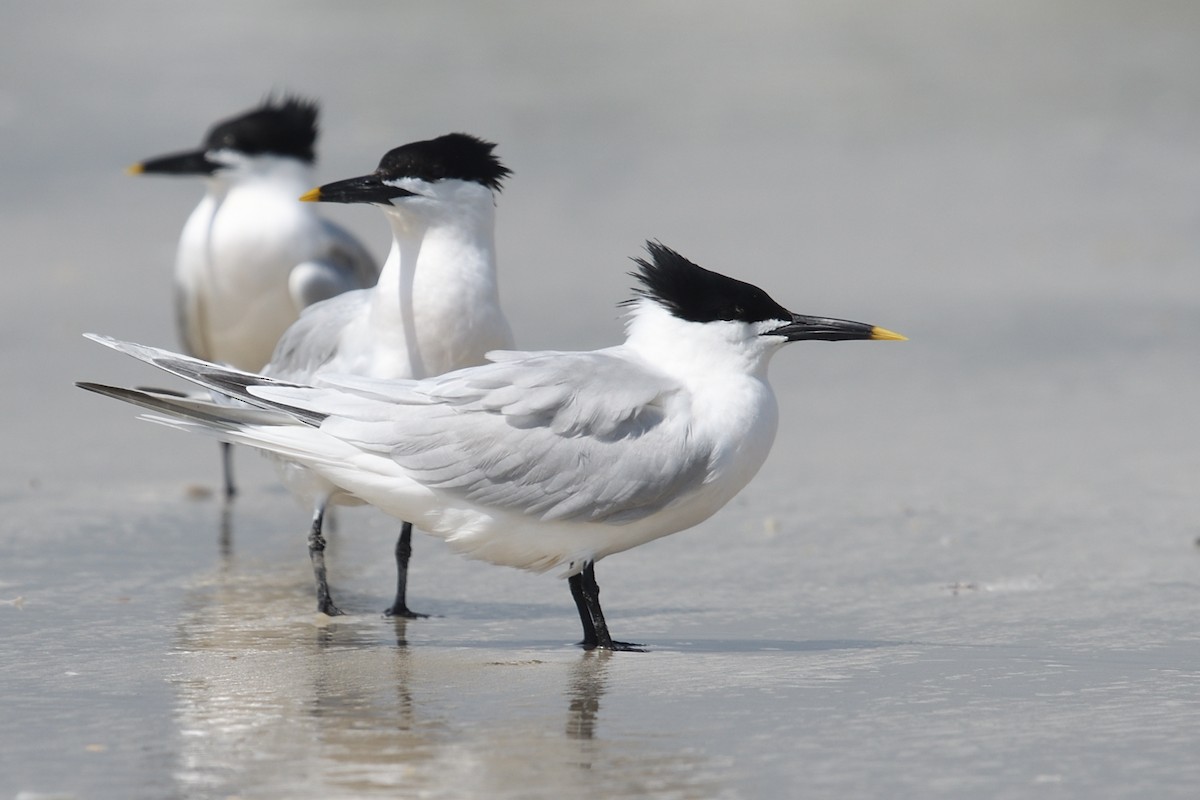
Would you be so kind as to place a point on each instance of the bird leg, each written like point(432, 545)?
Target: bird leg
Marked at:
point(403, 554)
point(586, 592)
point(316, 552)
point(227, 470)
point(585, 615)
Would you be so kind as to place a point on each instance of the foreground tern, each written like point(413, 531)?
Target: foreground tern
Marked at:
point(436, 306)
point(251, 257)
point(540, 460)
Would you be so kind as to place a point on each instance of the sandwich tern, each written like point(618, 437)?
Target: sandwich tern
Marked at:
point(251, 257)
point(436, 306)
point(540, 460)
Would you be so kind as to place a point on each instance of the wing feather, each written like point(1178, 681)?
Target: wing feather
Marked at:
point(563, 436)
point(351, 257)
point(312, 341)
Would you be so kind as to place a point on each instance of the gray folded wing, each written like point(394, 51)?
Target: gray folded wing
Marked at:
point(343, 267)
point(312, 340)
point(559, 436)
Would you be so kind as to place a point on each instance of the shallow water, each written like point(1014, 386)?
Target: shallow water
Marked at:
point(969, 566)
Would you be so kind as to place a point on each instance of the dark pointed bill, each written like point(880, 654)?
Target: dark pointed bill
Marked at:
point(826, 329)
point(192, 162)
point(367, 189)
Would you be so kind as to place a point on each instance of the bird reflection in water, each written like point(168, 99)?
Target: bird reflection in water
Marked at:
point(588, 680)
point(276, 703)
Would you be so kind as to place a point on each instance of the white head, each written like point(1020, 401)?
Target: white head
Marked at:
point(451, 178)
point(276, 137)
point(683, 312)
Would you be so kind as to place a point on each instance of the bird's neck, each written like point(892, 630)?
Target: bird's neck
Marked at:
point(723, 376)
point(427, 252)
point(437, 298)
point(286, 177)
point(694, 353)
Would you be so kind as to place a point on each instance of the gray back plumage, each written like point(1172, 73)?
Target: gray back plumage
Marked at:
point(563, 436)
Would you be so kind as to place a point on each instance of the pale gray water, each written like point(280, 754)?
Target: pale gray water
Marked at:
point(968, 568)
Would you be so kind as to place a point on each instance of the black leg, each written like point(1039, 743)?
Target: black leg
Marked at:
point(227, 470)
point(585, 615)
point(586, 592)
point(403, 554)
point(316, 552)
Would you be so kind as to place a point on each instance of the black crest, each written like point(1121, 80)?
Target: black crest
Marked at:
point(696, 294)
point(286, 126)
point(457, 156)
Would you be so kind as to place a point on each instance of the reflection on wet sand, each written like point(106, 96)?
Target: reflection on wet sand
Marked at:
point(225, 534)
point(588, 679)
point(275, 704)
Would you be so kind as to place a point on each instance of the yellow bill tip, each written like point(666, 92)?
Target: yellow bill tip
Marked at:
point(311, 196)
point(884, 333)
point(135, 169)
